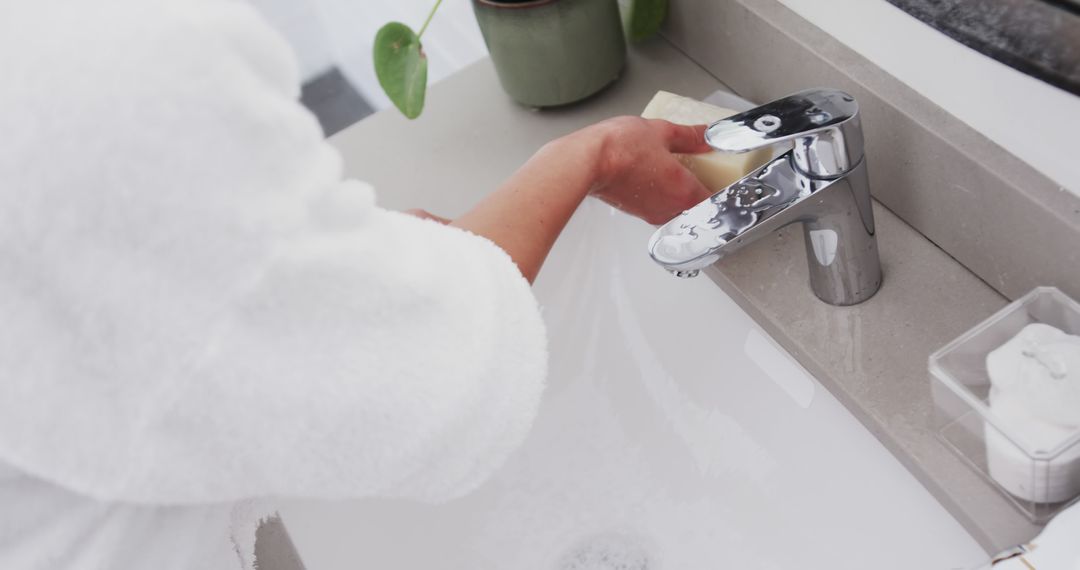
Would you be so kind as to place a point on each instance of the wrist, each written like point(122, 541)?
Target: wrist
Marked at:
point(592, 148)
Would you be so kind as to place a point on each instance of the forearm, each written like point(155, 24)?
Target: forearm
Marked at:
point(526, 214)
point(625, 161)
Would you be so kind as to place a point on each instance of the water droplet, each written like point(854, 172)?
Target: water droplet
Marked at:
point(758, 191)
point(743, 212)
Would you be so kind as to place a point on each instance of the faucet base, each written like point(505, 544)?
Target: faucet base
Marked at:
point(820, 183)
point(841, 241)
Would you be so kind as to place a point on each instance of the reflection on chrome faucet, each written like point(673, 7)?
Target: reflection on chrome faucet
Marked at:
point(821, 182)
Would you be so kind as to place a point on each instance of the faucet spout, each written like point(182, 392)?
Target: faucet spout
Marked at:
point(836, 215)
point(814, 184)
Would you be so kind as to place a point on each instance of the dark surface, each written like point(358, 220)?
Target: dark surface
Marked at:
point(334, 101)
point(1073, 5)
point(1038, 37)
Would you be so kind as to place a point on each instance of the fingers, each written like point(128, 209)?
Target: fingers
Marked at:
point(684, 139)
point(426, 215)
point(690, 188)
point(682, 191)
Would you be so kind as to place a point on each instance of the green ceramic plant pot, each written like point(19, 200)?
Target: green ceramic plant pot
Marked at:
point(553, 52)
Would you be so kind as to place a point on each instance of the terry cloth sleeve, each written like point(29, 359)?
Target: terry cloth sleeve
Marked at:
point(196, 307)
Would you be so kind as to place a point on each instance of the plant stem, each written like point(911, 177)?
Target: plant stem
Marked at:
point(428, 21)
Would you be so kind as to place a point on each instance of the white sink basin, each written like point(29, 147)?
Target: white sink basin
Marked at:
point(673, 434)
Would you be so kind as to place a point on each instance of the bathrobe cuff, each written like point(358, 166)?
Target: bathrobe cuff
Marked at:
point(199, 306)
point(400, 358)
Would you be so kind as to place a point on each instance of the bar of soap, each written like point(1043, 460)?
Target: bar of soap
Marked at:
point(716, 170)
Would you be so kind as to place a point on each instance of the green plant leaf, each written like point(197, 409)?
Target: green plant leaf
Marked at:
point(401, 66)
point(644, 18)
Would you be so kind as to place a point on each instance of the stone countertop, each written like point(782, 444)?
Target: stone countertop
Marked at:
point(872, 356)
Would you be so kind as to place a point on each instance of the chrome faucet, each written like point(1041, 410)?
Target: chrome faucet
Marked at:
point(820, 182)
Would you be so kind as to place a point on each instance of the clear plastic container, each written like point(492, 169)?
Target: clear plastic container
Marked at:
point(1040, 482)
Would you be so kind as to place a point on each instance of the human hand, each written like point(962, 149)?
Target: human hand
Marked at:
point(625, 161)
point(426, 215)
point(638, 172)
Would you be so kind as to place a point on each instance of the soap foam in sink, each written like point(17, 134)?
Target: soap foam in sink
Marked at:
point(605, 552)
point(1035, 393)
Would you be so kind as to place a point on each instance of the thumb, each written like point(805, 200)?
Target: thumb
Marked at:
point(684, 139)
point(692, 190)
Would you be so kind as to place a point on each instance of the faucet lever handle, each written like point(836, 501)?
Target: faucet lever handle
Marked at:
point(823, 123)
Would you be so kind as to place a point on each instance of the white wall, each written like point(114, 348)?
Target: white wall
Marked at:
point(341, 32)
point(299, 22)
point(1033, 120)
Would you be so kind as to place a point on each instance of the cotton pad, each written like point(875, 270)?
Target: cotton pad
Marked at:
point(1038, 371)
point(1035, 395)
point(1043, 481)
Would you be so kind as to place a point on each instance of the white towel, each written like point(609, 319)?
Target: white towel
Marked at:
point(198, 310)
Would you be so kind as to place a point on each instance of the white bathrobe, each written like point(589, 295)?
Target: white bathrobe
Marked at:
point(200, 314)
